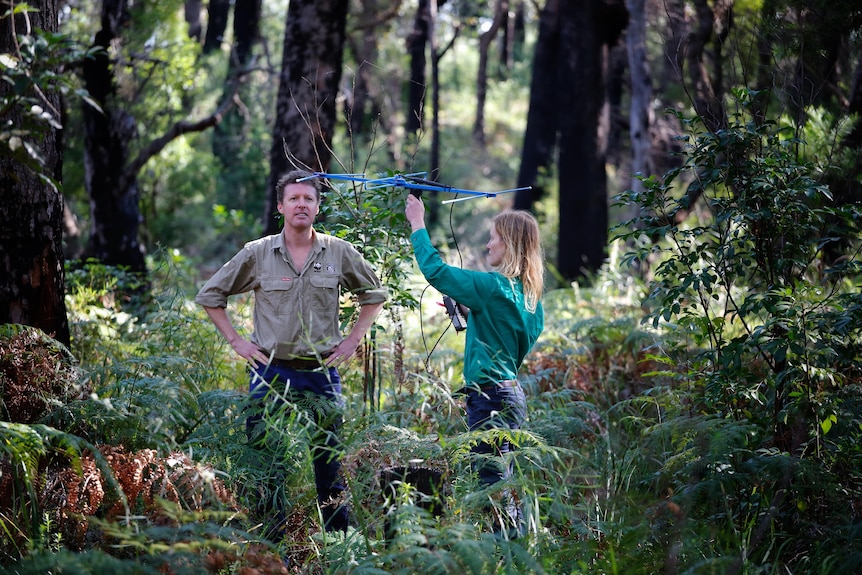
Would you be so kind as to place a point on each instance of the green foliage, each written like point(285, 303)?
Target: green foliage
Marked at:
point(29, 74)
point(762, 328)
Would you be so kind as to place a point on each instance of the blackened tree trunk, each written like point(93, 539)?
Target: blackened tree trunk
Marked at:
point(305, 107)
point(501, 13)
point(567, 101)
point(540, 137)
point(364, 105)
point(217, 16)
point(583, 201)
point(115, 213)
point(706, 87)
point(31, 207)
point(416, 43)
point(640, 112)
point(110, 171)
point(192, 12)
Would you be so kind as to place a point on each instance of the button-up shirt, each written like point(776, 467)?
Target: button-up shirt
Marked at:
point(296, 310)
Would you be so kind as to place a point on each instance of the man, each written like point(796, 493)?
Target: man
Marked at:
point(297, 346)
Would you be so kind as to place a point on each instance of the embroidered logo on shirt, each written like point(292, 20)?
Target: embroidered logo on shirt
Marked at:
point(286, 279)
point(317, 266)
point(330, 269)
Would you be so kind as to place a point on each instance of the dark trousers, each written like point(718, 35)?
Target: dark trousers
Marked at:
point(319, 392)
point(496, 407)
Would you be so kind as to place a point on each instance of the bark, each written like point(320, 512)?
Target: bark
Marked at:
point(501, 12)
point(217, 16)
point(582, 179)
point(32, 281)
point(616, 89)
point(416, 43)
point(437, 54)
point(114, 211)
point(705, 83)
point(673, 41)
point(434, 160)
point(567, 101)
point(308, 85)
point(541, 132)
point(640, 113)
point(192, 11)
point(766, 65)
point(110, 171)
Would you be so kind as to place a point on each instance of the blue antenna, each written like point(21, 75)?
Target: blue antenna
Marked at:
point(415, 181)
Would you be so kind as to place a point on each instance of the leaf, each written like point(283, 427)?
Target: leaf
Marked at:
point(827, 423)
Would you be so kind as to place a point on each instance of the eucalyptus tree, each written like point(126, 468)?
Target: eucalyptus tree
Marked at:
point(567, 98)
point(133, 49)
point(31, 155)
point(311, 69)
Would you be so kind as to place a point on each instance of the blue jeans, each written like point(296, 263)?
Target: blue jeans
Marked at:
point(274, 383)
point(495, 407)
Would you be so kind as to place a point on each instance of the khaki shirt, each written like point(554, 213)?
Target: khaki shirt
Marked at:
point(295, 310)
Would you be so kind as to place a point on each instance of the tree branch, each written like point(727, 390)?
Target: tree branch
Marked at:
point(180, 128)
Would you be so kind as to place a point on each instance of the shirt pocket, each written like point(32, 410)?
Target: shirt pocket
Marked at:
point(324, 292)
point(276, 297)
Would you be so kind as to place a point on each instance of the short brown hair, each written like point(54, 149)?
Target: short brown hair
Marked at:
point(293, 177)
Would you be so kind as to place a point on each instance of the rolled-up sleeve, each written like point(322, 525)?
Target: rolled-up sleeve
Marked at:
point(235, 277)
point(360, 279)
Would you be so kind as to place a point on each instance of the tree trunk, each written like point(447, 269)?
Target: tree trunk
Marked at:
point(416, 43)
point(541, 133)
point(434, 160)
point(110, 173)
point(365, 105)
point(706, 99)
point(306, 102)
point(32, 281)
point(192, 11)
point(583, 182)
point(568, 100)
point(217, 16)
point(673, 42)
point(115, 214)
point(501, 12)
point(640, 113)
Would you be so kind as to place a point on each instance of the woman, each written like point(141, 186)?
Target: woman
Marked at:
point(503, 324)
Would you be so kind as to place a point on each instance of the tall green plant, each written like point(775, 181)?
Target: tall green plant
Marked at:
point(766, 326)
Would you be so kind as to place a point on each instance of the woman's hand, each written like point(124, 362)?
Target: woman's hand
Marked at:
point(415, 212)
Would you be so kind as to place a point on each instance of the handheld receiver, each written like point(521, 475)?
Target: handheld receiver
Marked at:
point(456, 313)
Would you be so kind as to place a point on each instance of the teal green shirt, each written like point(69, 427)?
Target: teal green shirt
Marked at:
point(500, 330)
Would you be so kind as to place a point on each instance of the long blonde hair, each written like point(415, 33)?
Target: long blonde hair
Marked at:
point(524, 258)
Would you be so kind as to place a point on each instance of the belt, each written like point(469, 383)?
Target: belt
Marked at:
point(504, 383)
point(298, 363)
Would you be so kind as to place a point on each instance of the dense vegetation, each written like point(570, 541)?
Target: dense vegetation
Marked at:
point(693, 408)
point(706, 420)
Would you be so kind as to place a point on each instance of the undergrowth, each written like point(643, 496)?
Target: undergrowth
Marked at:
point(699, 413)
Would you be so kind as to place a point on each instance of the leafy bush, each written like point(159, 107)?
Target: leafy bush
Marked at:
point(763, 328)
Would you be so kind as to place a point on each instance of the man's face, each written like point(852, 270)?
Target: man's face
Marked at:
point(299, 205)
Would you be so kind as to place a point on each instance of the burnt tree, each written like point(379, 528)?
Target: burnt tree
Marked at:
point(31, 205)
point(567, 115)
point(311, 69)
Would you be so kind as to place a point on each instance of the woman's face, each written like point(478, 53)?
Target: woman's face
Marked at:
point(496, 248)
